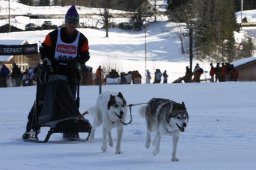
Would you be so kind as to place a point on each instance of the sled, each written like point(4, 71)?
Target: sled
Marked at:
point(179, 80)
point(57, 110)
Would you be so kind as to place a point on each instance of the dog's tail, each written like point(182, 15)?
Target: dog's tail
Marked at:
point(90, 111)
point(143, 111)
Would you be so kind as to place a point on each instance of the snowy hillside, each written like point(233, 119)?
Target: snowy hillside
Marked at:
point(23, 14)
point(125, 51)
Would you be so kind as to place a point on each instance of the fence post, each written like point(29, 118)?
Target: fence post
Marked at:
point(100, 83)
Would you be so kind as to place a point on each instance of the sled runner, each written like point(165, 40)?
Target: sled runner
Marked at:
point(73, 125)
point(56, 108)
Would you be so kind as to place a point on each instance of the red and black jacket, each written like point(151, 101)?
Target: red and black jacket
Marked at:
point(47, 50)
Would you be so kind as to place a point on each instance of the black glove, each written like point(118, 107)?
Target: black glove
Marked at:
point(43, 52)
point(48, 64)
point(83, 57)
point(47, 52)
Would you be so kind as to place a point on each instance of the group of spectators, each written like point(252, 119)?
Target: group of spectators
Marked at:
point(159, 76)
point(191, 76)
point(15, 77)
point(113, 77)
point(219, 73)
point(131, 77)
point(223, 72)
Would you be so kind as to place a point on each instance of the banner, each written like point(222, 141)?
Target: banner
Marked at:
point(18, 49)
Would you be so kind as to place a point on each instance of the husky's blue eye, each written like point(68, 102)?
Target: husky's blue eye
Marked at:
point(116, 105)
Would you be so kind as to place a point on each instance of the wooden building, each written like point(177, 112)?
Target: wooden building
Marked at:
point(246, 68)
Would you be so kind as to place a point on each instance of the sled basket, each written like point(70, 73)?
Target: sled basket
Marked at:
point(58, 111)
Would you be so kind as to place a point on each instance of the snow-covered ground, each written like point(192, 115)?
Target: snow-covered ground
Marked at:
point(220, 134)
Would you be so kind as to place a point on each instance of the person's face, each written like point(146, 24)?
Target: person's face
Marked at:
point(71, 27)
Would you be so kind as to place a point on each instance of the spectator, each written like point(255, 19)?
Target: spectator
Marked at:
point(113, 77)
point(218, 73)
point(99, 76)
point(224, 71)
point(16, 74)
point(31, 73)
point(188, 75)
point(158, 76)
point(86, 75)
point(25, 78)
point(136, 77)
point(4, 74)
point(148, 77)
point(113, 74)
point(165, 75)
point(212, 72)
point(129, 77)
point(198, 71)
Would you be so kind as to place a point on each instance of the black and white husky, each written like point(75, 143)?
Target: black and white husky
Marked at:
point(110, 110)
point(164, 117)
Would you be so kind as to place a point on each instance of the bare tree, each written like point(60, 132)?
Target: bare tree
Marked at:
point(106, 16)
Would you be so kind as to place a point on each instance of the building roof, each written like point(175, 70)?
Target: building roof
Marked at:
point(244, 61)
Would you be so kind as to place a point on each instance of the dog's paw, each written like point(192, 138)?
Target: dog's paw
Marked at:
point(154, 142)
point(155, 152)
point(147, 144)
point(175, 159)
point(118, 152)
point(104, 148)
point(90, 139)
point(110, 143)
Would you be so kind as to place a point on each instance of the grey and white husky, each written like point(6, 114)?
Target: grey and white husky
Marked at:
point(164, 117)
point(110, 110)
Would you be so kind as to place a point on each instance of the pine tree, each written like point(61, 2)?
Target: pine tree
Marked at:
point(44, 2)
point(214, 35)
point(26, 2)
